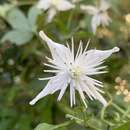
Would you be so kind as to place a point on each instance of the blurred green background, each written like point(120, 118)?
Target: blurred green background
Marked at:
point(22, 55)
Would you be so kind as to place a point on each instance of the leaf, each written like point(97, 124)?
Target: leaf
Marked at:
point(17, 36)
point(4, 9)
point(125, 126)
point(45, 126)
point(18, 20)
point(32, 17)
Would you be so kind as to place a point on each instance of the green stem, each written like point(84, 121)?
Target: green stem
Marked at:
point(70, 19)
point(81, 122)
point(103, 118)
point(64, 124)
point(119, 109)
point(127, 112)
point(72, 33)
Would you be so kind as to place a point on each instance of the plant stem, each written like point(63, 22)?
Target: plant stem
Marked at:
point(102, 117)
point(70, 19)
point(64, 124)
point(81, 122)
point(119, 109)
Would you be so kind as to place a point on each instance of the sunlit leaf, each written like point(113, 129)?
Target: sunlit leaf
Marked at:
point(45, 126)
point(18, 37)
point(4, 9)
point(32, 17)
point(18, 20)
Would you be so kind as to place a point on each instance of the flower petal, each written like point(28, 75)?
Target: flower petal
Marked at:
point(104, 5)
point(64, 5)
point(105, 19)
point(44, 4)
point(51, 14)
point(89, 9)
point(94, 91)
point(55, 84)
point(98, 56)
point(72, 93)
point(96, 21)
point(60, 53)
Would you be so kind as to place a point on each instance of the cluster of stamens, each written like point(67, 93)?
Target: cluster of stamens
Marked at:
point(75, 72)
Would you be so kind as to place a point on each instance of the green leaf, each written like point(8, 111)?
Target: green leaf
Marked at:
point(17, 36)
point(4, 9)
point(45, 126)
point(17, 20)
point(125, 126)
point(32, 17)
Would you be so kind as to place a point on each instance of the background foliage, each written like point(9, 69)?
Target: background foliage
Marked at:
point(21, 56)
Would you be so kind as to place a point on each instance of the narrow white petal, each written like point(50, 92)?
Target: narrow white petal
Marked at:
point(86, 89)
point(86, 46)
point(81, 94)
point(51, 14)
point(52, 71)
point(52, 66)
point(97, 95)
point(47, 78)
point(64, 87)
point(72, 93)
point(105, 19)
point(96, 21)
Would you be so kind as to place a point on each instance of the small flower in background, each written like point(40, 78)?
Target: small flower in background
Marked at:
point(53, 6)
point(127, 18)
point(76, 1)
point(17, 79)
point(11, 62)
point(74, 71)
point(99, 13)
point(122, 88)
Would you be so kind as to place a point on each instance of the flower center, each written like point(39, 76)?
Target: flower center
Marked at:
point(75, 72)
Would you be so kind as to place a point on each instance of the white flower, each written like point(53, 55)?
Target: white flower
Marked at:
point(100, 15)
point(76, 1)
point(53, 6)
point(74, 71)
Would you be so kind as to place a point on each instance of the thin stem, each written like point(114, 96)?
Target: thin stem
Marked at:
point(72, 33)
point(80, 121)
point(70, 19)
point(103, 118)
point(63, 124)
point(127, 112)
point(119, 109)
